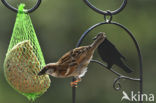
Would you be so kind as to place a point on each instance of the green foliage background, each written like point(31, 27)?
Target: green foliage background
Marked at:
point(60, 23)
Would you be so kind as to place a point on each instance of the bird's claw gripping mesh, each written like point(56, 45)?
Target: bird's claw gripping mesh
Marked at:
point(24, 59)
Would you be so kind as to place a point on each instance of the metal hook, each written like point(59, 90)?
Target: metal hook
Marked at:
point(105, 12)
point(16, 10)
point(110, 18)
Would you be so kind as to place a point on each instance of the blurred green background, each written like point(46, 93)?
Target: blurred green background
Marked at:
point(60, 23)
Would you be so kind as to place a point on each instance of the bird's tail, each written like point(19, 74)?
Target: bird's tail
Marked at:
point(125, 67)
point(98, 40)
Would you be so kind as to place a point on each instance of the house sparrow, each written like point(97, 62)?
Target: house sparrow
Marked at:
point(74, 63)
point(109, 54)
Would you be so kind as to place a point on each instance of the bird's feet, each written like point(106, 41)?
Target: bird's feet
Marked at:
point(74, 83)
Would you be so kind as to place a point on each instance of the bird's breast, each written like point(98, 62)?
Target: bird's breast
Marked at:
point(82, 67)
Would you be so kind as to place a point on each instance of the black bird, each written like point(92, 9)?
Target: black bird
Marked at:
point(109, 54)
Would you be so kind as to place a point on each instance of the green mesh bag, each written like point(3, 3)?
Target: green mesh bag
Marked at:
point(24, 59)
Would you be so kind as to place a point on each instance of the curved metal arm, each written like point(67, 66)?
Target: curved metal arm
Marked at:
point(116, 84)
point(16, 10)
point(105, 12)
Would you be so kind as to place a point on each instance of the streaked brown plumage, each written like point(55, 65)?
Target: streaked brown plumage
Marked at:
point(74, 63)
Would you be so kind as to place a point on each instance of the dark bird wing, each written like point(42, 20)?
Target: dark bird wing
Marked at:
point(109, 54)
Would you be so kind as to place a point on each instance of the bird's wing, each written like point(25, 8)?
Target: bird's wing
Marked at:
point(109, 54)
point(72, 57)
point(107, 46)
point(71, 60)
point(67, 63)
point(113, 46)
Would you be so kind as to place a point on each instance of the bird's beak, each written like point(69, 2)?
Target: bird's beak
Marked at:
point(42, 72)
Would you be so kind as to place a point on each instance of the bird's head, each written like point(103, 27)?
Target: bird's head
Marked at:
point(48, 69)
point(100, 35)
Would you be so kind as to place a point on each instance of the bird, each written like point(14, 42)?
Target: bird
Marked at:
point(74, 63)
point(111, 55)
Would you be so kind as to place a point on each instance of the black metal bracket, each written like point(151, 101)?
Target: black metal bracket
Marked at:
point(116, 84)
point(16, 10)
point(108, 16)
point(105, 12)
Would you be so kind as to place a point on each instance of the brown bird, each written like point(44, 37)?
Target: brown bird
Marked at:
point(74, 63)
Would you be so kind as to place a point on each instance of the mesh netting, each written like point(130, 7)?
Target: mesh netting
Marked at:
point(24, 59)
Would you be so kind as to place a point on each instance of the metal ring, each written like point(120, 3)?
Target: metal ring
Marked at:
point(16, 10)
point(105, 12)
